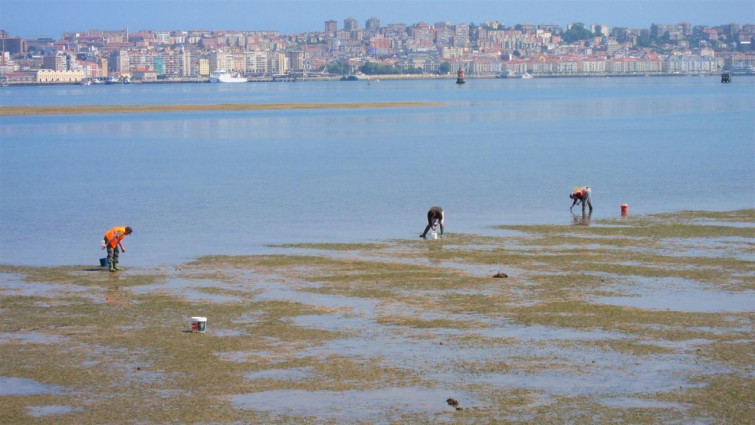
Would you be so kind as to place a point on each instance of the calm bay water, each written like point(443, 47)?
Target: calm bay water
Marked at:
point(496, 152)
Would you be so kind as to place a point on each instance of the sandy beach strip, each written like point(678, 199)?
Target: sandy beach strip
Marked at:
point(129, 109)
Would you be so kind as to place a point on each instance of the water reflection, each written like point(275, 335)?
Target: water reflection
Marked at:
point(114, 295)
point(581, 219)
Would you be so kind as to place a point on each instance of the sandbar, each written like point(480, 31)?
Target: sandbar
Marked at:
point(131, 109)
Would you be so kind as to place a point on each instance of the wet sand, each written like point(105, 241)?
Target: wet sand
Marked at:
point(132, 109)
point(643, 320)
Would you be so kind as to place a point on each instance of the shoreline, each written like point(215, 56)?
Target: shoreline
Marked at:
point(408, 77)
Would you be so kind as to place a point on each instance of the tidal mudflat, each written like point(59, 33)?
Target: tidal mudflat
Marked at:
point(643, 320)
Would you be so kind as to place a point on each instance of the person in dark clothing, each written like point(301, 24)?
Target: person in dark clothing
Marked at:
point(435, 217)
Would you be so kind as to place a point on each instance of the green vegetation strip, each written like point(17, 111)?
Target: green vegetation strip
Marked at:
point(139, 109)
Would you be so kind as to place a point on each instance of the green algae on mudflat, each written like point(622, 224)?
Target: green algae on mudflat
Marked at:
point(127, 354)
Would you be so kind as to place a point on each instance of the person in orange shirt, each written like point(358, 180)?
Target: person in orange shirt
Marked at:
point(114, 240)
point(577, 197)
point(582, 195)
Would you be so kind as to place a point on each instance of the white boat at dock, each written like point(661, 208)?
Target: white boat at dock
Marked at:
point(512, 74)
point(223, 76)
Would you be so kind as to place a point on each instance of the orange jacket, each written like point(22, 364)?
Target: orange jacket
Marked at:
point(115, 235)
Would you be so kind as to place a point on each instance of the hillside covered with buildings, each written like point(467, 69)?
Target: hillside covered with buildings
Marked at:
point(486, 50)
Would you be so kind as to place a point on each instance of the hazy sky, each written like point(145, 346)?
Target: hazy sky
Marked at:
point(29, 18)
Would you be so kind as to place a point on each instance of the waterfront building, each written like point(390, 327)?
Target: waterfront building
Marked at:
point(278, 63)
point(21, 77)
point(514, 67)
point(204, 67)
point(91, 69)
point(103, 64)
point(50, 76)
point(690, 64)
point(220, 60)
point(740, 63)
point(295, 60)
point(119, 62)
point(483, 66)
point(591, 66)
point(256, 63)
point(185, 69)
point(145, 75)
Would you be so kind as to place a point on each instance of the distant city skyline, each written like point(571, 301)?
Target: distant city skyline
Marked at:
point(36, 18)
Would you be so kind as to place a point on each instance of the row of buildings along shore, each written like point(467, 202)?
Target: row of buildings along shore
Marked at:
point(419, 50)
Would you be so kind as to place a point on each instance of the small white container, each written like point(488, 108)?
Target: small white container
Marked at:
point(434, 235)
point(198, 324)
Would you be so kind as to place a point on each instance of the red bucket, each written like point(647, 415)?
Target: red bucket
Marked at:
point(624, 209)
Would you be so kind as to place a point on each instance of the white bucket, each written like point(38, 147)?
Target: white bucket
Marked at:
point(434, 235)
point(198, 324)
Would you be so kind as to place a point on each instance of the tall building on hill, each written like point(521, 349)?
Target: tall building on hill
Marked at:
point(331, 27)
point(12, 45)
point(350, 24)
point(372, 26)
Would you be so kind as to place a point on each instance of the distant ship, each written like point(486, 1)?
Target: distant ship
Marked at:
point(460, 76)
point(226, 77)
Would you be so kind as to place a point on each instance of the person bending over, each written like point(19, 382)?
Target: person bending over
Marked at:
point(582, 195)
point(435, 217)
point(577, 197)
point(113, 240)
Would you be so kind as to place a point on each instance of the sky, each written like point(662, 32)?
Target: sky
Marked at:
point(51, 18)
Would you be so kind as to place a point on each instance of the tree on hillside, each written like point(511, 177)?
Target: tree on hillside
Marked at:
point(339, 67)
point(644, 39)
point(577, 32)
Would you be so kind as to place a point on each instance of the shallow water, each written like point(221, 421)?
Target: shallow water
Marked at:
point(23, 386)
point(496, 152)
point(190, 290)
point(676, 294)
point(377, 406)
point(39, 411)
